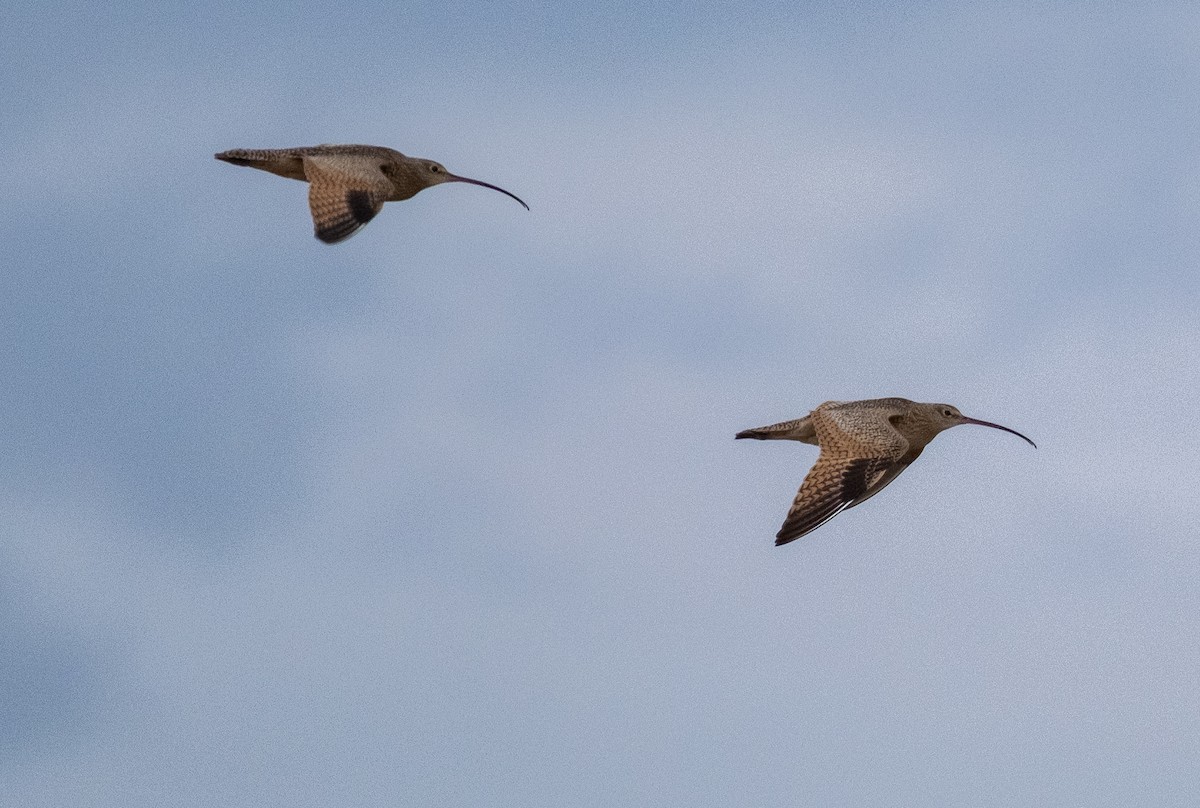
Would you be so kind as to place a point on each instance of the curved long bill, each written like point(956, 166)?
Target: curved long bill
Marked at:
point(456, 178)
point(967, 420)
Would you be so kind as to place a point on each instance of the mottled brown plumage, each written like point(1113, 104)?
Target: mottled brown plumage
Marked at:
point(864, 446)
point(349, 184)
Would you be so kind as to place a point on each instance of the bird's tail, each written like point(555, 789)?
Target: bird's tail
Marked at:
point(284, 162)
point(241, 157)
point(800, 429)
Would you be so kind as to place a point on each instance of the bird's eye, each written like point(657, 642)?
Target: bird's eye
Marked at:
point(435, 168)
point(948, 413)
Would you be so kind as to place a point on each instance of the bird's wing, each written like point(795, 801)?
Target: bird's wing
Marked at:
point(833, 484)
point(344, 193)
point(885, 478)
point(861, 452)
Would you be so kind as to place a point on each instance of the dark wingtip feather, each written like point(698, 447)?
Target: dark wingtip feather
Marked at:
point(334, 232)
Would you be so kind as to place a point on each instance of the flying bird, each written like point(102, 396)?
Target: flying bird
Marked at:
point(347, 185)
point(864, 446)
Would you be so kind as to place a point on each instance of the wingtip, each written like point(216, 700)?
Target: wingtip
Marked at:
point(747, 433)
point(331, 237)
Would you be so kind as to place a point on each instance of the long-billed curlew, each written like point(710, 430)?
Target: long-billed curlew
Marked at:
point(349, 184)
point(864, 446)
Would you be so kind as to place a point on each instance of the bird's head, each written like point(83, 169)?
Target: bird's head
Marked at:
point(432, 173)
point(944, 416)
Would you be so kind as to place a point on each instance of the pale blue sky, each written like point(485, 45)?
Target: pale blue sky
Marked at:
point(452, 513)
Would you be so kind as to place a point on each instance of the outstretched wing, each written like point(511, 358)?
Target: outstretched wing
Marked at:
point(861, 452)
point(344, 193)
point(831, 486)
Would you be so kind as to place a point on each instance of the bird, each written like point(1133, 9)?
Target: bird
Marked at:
point(864, 446)
point(348, 184)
